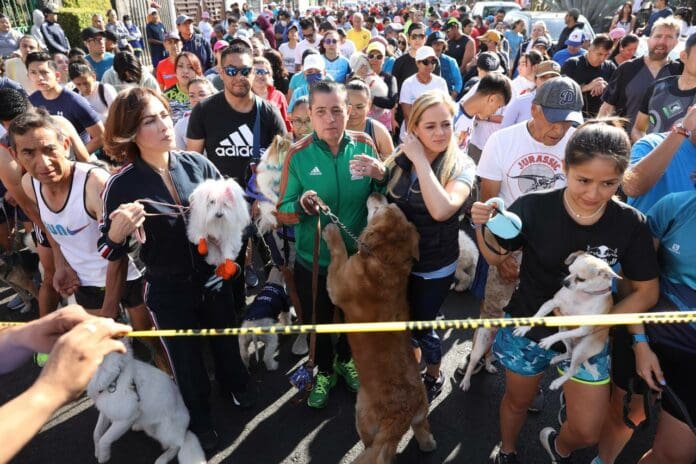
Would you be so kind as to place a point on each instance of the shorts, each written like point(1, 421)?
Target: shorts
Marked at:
point(524, 357)
point(498, 291)
point(40, 237)
point(93, 297)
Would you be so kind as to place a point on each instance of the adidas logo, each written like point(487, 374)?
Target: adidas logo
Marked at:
point(315, 171)
point(238, 143)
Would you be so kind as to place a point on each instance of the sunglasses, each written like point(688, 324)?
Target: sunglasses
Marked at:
point(232, 71)
point(261, 71)
point(417, 36)
point(330, 41)
point(431, 62)
point(374, 57)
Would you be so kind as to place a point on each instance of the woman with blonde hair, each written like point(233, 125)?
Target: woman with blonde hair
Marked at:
point(430, 180)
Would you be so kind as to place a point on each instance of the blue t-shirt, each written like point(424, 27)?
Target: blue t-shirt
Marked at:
point(72, 106)
point(101, 67)
point(388, 64)
point(562, 56)
point(673, 221)
point(677, 177)
point(338, 68)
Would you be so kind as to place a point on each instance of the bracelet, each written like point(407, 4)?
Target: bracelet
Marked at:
point(681, 130)
point(474, 226)
point(640, 338)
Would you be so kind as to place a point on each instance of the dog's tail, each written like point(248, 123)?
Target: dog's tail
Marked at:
point(191, 451)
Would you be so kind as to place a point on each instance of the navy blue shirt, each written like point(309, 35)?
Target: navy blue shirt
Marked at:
point(155, 31)
point(72, 107)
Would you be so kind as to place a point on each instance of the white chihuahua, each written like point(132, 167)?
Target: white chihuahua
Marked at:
point(586, 291)
point(131, 394)
point(219, 215)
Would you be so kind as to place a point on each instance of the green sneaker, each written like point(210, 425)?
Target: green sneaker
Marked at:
point(320, 393)
point(348, 372)
point(40, 359)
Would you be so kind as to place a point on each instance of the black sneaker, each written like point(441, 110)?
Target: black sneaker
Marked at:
point(562, 416)
point(461, 370)
point(498, 457)
point(538, 403)
point(547, 437)
point(245, 399)
point(209, 439)
point(433, 386)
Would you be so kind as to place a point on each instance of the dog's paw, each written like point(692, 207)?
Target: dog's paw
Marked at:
point(465, 384)
point(103, 455)
point(331, 233)
point(491, 369)
point(546, 343)
point(521, 331)
point(202, 247)
point(227, 270)
point(556, 384)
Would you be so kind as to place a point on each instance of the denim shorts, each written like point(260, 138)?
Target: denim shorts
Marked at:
point(524, 357)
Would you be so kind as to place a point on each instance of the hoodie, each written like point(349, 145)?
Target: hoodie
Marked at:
point(267, 29)
point(39, 19)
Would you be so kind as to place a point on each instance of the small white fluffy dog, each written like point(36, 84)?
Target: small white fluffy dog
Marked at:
point(270, 307)
point(131, 394)
point(219, 214)
point(466, 263)
point(586, 291)
point(268, 182)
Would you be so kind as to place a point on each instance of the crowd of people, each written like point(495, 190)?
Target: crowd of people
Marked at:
point(592, 146)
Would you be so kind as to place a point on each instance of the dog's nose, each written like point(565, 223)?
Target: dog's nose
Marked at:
point(218, 215)
point(566, 283)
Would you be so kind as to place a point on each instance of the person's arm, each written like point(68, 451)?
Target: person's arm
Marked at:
point(614, 20)
point(195, 145)
point(74, 359)
point(468, 58)
point(289, 208)
point(76, 143)
point(195, 132)
point(50, 40)
point(457, 84)
point(96, 133)
point(385, 144)
point(640, 127)
point(11, 177)
point(606, 110)
point(406, 110)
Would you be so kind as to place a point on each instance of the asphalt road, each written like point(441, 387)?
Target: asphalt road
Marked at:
point(278, 430)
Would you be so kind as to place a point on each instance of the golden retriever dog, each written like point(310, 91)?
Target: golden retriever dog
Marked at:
point(369, 287)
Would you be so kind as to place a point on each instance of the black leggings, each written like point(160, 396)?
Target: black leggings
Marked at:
point(325, 310)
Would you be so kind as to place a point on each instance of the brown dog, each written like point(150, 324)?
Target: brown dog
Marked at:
point(369, 287)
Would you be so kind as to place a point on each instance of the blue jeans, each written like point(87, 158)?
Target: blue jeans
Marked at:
point(425, 297)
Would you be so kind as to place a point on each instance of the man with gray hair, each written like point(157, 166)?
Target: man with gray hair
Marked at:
point(358, 34)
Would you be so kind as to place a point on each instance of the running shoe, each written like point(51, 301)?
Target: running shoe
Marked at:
point(40, 359)
point(562, 416)
point(15, 303)
point(433, 386)
point(498, 457)
point(245, 399)
point(323, 383)
point(547, 437)
point(349, 373)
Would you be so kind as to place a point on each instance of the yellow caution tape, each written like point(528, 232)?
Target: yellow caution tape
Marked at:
point(670, 317)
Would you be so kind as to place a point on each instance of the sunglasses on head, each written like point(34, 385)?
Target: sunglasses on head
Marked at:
point(417, 36)
point(233, 71)
point(374, 56)
point(330, 41)
point(429, 62)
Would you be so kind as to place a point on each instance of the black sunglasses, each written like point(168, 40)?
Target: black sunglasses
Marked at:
point(232, 71)
point(431, 62)
point(330, 41)
point(401, 42)
point(417, 36)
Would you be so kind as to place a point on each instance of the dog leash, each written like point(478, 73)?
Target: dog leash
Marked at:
point(179, 210)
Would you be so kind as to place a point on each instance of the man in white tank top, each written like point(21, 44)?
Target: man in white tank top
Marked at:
point(67, 195)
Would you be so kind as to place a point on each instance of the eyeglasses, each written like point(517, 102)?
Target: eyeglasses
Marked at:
point(374, 57)
point(330, 41)
point(431, 62)
point(232, 71)
point(418, 36)
point(261, 71)
point(301, 122)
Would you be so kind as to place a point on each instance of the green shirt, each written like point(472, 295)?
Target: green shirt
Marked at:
point(310, 165)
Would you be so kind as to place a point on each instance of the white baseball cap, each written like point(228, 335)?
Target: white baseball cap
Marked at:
point(575, 39)
point(424, 53)
point(314, 62)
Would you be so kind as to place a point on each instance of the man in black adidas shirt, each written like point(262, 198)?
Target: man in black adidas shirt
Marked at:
point(234, 126)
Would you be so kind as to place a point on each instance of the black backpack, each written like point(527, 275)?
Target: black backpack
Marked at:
point(100, 89)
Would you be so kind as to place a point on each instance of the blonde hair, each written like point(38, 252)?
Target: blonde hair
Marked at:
point(450, 166)
point(670, 22)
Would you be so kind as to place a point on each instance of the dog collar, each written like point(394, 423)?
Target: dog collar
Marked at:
point(598, 292)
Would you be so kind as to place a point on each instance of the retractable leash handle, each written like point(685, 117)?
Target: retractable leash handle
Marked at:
point(505, 224)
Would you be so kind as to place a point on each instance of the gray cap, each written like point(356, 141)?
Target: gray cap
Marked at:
point(561, 100)
point(181, 19)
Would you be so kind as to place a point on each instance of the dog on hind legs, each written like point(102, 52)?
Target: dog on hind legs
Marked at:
point(586, 291)
point(268, 182)
point(270, 307)
point(371, 286)
point(466, 263)
point(131, 394)
point(219, 214)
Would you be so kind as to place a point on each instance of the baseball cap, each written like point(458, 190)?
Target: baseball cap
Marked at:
point(379, 46)
point(488, 61)
point(575, 39)
point(396, 27)
point(220, 44)
point(205, 15)
point(617, 33)
point(424, 53)
point(242, 39)
point(173, 35)
point(314, 62)
point(490, 19)
point(574, 12)
point(492, 35)
point(181, 19)
point(435, 37)
point(452, 22)
point(548, 67)
point(219, 27)
point(152, 11)
point(561, 100)
point(89, 32)
point(50, 9)
point(541, 41)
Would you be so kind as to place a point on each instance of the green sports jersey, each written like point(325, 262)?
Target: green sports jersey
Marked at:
point(310, 165)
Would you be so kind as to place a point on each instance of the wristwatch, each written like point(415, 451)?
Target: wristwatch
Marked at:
point(640, 338)
point(679, 128)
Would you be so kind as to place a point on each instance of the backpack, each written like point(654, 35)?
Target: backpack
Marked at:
point(100, 89)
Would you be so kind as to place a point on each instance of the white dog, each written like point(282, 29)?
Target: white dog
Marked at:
point(483, 340)
point(219, 215)
point(586, 291)
point(270, 306)
point(131, 394)
point(466, 263)
point(268, 182)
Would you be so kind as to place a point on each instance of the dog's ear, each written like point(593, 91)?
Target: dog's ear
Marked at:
point(229, 193)
point(609, 273)
point(572, 257)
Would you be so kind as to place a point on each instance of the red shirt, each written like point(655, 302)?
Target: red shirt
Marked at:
point(166, 74)
point(277, 98)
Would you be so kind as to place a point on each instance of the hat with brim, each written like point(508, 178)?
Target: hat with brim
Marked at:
point(561, 100)
point(575, 39)
point(50, 9)
point(173, 35)
point(91, 32)
point(314, 62)
point(543, 41)
point(434, 37)
point(220, 44)
point(491, 35)
point(547, 68)
point(183, 19)
point(424, 53)
point(152, 11)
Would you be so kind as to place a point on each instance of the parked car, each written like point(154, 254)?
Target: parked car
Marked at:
point(484, 9)
point(555, 22)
